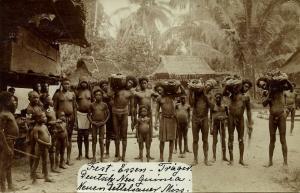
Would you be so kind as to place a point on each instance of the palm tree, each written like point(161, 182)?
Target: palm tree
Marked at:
point(257, 31)
point(201, 33)
point(145, 20)
point(262, 28)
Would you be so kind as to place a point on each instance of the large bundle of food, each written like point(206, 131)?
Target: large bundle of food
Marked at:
point(211, 83)
point(196, 85)
point(274, 80)
point(233, 84)
point(117, 81)
point(171, 87)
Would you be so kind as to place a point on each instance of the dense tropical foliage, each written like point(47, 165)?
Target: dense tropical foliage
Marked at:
point(236, 35)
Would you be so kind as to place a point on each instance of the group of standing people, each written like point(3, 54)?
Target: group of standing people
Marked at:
point(104, 110)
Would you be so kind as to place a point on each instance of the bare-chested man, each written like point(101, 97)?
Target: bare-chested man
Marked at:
point(9, 131)
point(65, 101)
point(277, 118)
point(143, 97)
point(84, 101)
point(201, 104)
point(238, 104)
point(122, 98)
point(290, 97)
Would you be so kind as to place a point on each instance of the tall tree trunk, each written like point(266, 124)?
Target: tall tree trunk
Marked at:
point(251, 45)
point(191, 38)
point(95, 18)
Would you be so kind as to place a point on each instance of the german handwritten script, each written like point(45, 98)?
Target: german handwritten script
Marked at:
point(135, 177)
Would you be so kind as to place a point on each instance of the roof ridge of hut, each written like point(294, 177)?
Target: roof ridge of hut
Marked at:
point(182, 65)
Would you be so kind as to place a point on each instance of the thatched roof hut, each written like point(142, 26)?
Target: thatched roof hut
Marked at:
point(86, 67)
point(182, 67)
point(292, 67)
point(57, 21)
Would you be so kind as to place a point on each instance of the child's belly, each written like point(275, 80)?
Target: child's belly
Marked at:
point(182, 116)
point(144, 128)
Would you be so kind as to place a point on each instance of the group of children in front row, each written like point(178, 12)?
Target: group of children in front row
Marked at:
point(47, 134)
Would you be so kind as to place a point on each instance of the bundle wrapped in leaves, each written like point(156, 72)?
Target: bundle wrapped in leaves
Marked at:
point(233, 84)
point(211, 82)
point(196, 85)
point(171, 87)
point(274, 80)
point(117, 81)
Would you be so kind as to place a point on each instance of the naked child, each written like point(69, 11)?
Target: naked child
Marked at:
point(143, 97)
point(98, 116)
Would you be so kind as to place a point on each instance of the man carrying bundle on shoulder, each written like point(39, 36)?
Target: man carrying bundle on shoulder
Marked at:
point(169, 90)
point(274, 84)
point(201, 104)
point(238, 104)
point(122, 99)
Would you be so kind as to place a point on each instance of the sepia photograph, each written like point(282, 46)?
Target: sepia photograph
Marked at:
point(149, 96)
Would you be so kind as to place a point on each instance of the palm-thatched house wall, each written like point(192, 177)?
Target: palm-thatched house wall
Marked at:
point(292, 67)
point(30, 33)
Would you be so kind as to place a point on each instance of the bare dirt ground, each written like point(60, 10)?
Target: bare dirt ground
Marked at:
point(217, 178)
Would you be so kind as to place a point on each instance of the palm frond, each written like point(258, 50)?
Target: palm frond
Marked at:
point(121, 11)
point(269, 8)
point(136, 1)
point(207, 50)
point(182, 4)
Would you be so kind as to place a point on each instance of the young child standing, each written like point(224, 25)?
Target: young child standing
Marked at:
point(98, 116)
point(35, 106)
point(51, 125)
point(43, 139)
point(61, 140)
point(183, 119)
point(144, 132)
point(219, 114)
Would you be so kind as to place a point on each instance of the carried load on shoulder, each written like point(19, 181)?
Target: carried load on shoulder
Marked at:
point(274, 81)
point(233, 85)
point(196, 85)
point(170, 88)
point(119, 81)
